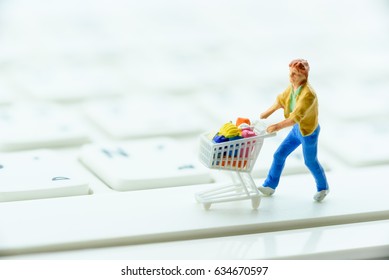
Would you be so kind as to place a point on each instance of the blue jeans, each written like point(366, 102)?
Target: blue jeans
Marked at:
point(290, 143)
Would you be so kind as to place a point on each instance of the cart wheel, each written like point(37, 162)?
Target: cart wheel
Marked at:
point(207, 205)
point(255, 202)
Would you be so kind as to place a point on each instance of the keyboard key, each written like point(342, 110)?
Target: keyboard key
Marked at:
point(358, 143)
point(38, 174)
point(164, 77)
point(169, 214)
point(39, 126)
point(146, 117)
point(370, 106)
point(58, 81)
point(145, 164)
point(327, 242)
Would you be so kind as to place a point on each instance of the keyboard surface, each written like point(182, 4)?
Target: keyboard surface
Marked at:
point(102, 107)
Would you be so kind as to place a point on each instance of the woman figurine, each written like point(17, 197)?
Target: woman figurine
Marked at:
point(300, 106)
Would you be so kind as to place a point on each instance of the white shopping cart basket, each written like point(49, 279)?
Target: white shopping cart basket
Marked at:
point(238, 157)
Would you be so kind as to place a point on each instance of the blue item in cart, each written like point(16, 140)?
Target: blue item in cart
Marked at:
point(220, 138)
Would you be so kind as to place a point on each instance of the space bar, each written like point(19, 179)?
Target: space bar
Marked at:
point(171, 214)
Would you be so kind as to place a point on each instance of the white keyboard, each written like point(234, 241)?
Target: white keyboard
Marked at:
point(101, 116)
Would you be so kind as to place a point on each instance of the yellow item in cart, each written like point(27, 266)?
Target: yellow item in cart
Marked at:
point(229, 130)
point(224, 128)
point(233, 132)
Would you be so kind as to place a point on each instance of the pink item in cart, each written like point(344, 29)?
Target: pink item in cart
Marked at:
point(247, 132)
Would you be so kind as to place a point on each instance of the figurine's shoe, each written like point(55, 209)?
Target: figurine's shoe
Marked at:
point(266, 190)
point(319, 196)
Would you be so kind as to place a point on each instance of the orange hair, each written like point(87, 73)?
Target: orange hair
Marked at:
point(301, 65)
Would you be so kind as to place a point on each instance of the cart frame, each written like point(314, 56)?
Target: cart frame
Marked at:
point(238, 157)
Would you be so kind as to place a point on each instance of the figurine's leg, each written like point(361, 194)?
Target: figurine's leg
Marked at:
point(309, 145)
point(290, 143)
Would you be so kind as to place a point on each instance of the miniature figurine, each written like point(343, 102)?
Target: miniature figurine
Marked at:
point(300, 106)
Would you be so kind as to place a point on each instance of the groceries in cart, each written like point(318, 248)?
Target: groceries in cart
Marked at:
point(239, 148)
point(229, 131)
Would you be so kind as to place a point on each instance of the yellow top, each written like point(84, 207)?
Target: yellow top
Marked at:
point(306, 112)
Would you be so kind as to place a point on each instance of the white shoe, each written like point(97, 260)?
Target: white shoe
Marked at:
point(319, 196)
point(266, 190)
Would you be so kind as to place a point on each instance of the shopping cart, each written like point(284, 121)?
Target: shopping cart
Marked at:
point(238, 157)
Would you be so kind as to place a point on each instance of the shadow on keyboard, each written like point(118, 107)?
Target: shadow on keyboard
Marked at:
point(102, 106)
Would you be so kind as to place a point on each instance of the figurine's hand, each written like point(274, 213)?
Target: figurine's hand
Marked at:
point(272, 128)
point(262, 116)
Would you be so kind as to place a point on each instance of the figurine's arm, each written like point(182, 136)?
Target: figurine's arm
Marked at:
point(278, 126)
point(280, 103)
point(270, 111)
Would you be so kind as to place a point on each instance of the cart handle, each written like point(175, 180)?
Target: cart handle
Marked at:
point(260, 129)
